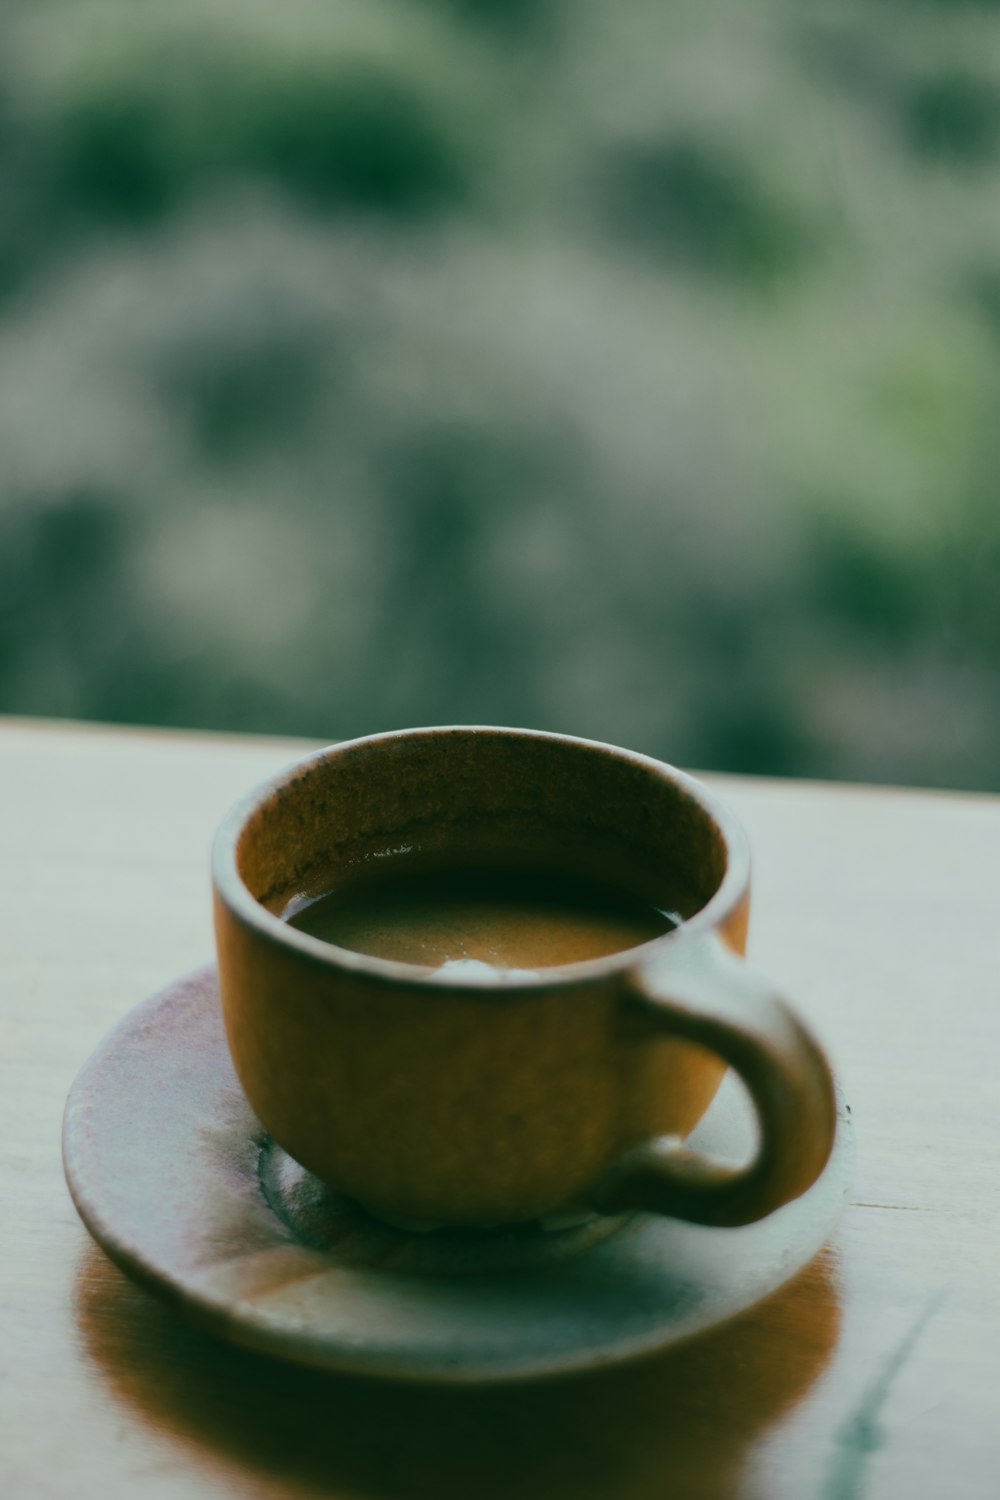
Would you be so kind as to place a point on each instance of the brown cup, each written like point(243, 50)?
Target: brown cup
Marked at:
point(470, 1103)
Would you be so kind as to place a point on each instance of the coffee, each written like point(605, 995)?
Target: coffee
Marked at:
point(461, 919)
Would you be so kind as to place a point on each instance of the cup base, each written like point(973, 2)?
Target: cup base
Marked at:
point(320, 1217)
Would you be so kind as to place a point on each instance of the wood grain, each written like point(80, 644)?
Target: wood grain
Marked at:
point(876, 1373)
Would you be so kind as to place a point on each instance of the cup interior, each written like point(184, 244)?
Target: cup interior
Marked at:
point(484, 797)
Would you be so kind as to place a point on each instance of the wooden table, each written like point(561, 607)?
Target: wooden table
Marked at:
point(875, 1373)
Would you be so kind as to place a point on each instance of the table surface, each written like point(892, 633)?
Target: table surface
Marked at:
point(875, 1373)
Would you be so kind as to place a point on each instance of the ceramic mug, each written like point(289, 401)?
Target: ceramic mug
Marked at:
point(466, 1103)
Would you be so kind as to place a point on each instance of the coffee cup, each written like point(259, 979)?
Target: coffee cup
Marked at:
point(458, 1094)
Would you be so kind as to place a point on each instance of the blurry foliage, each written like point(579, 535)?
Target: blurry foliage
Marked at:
point(109, 158)
point(363, 140)
point(985, 287)
point(875, 590)
point(955, 117)
point(626, 371)
point(517, 19)
point(244, 389)
point(688, 202)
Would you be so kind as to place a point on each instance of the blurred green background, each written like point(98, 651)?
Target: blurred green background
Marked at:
point(631, 370)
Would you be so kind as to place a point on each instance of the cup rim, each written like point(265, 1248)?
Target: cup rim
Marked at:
point(231, 890)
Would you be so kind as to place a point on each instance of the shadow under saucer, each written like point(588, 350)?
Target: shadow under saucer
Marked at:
point(682, 1423)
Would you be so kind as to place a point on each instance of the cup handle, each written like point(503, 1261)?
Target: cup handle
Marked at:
point(700, 990)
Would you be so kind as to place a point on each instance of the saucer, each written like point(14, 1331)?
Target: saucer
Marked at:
point(176, 1179)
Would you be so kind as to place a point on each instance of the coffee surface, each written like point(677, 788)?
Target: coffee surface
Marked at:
point(464, 918)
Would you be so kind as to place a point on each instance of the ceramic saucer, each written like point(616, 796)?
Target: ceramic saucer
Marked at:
point(174, 1176)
